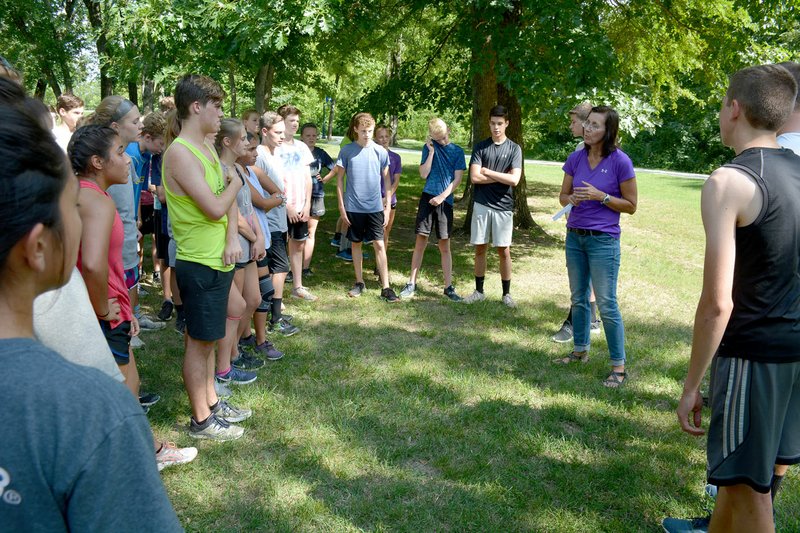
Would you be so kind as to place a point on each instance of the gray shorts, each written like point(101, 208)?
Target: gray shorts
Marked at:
point(491, 225)
point(317, 206)
point(172, 252)
point(754, 423)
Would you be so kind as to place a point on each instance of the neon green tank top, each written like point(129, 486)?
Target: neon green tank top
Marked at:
point(199, 239)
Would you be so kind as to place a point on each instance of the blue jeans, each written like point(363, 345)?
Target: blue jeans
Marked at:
point(594, 259)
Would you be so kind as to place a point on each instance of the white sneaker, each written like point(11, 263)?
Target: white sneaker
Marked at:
point(509, 301)
point(474, 297)
point(215, 429)
point(303, 294)
point(148, 324)
point(170, 455)
point(136, 342)
point(408, 291)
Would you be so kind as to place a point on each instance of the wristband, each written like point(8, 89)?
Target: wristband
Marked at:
point(103, 317)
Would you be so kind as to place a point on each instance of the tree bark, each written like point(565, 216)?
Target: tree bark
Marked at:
point(484, 97)
point(332, 106)
point(148, 95)
point(522, 214)
point(264, 80)
point(41, 89)
point(96, 21)
point(133, 92)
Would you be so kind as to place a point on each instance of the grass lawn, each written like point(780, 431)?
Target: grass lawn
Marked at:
point(434, 416)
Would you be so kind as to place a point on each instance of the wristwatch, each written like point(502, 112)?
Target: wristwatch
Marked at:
point(607, 199)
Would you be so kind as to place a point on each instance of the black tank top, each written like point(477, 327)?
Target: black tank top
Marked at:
point(765, 322)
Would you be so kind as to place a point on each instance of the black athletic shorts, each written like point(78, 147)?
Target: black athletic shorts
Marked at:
point(147, 219)
point(434, 218)
point(277, 258)
point(118, 339)
point(161, 237)
point(204, 292)
point(298, 231)
point(365, 226)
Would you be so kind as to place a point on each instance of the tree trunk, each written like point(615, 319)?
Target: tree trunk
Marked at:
point(133, 92)
point(232, 87)
point(522, 214)
point(96, 21)
point(264, 80)
point(148, 95)
point(484, 97)
point(41, 89)
point(332, 106)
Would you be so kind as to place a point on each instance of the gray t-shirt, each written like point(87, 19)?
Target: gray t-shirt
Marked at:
point(364, 169)
point(271, 164)
point(64, 321)
point(77, 454)
point(790, 140)
point(123, 199)
point(244, 201)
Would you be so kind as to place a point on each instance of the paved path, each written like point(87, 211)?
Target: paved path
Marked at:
point(675, 174)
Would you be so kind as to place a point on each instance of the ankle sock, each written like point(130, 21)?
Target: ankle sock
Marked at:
point(479, 283)
point(223, 372)
point(506, 286)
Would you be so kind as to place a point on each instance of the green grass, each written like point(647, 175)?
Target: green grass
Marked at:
point(431, 416)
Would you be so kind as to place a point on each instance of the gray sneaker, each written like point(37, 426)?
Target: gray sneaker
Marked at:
point(594, 327)
point(508, 301)
point(564, 334)
point(231, 414)
point(136, 342)
point(450, 292)
point(215, 429)
point(148, 324)
point(686, 525)
point(408, 291)
point(474, 297)
point(356, 291)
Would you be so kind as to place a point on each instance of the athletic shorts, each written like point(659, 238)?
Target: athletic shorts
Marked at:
point(437, 219)
point(491, 225)
point(317, 206)
point(277, 258)
point(162, 239)
point(240, 266)
point(298, 231)
point(132, 277)
point(204, 292)
point(262, 263)
point(754, 421)
point(148, 225)
point(118, 339)
point(365, 226)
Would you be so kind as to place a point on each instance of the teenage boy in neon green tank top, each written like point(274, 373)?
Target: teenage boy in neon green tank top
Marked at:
point(204, 222)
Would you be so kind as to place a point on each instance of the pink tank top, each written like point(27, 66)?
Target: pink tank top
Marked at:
point(116, 274)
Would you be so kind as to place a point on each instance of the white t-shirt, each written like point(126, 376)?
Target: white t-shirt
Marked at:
point(790, 140)
point(62, 135)
point(272, 165)
point(295, 158)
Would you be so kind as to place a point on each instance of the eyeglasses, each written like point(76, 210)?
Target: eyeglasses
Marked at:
point(588, 126)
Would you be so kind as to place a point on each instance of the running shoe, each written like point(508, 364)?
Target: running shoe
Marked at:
point(170, 455)
point(283, 327)
point(408, 291)
point(450, 292)
point(234, 376)
point(230, 414)
point(356, 291)
point(474, 297)
point(166, 310)
point(215, 429)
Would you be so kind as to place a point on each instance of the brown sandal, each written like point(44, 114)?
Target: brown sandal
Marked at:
point(573, 357)
point(615, 379)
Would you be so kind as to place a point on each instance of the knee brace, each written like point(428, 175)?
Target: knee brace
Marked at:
point(267, 290)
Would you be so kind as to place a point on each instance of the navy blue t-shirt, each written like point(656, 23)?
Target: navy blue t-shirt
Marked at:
point(321, 159)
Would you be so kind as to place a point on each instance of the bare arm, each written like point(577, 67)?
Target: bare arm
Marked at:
point(506, 178)
point(97, 216)
point(233, 250)
point(185, 177)
point(425, 168)
point(340, 192)
point(726, 196)
point(567, 196)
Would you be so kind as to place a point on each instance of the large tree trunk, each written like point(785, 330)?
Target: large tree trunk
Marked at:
point(484, 97)
point(96, 21)
point(522, 214)
point(264, 80)
point(133, 92)
point(148, 95)
point(41, 89)
point(332, 106)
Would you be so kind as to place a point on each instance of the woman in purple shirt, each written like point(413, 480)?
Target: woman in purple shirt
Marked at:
point(599, 183)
